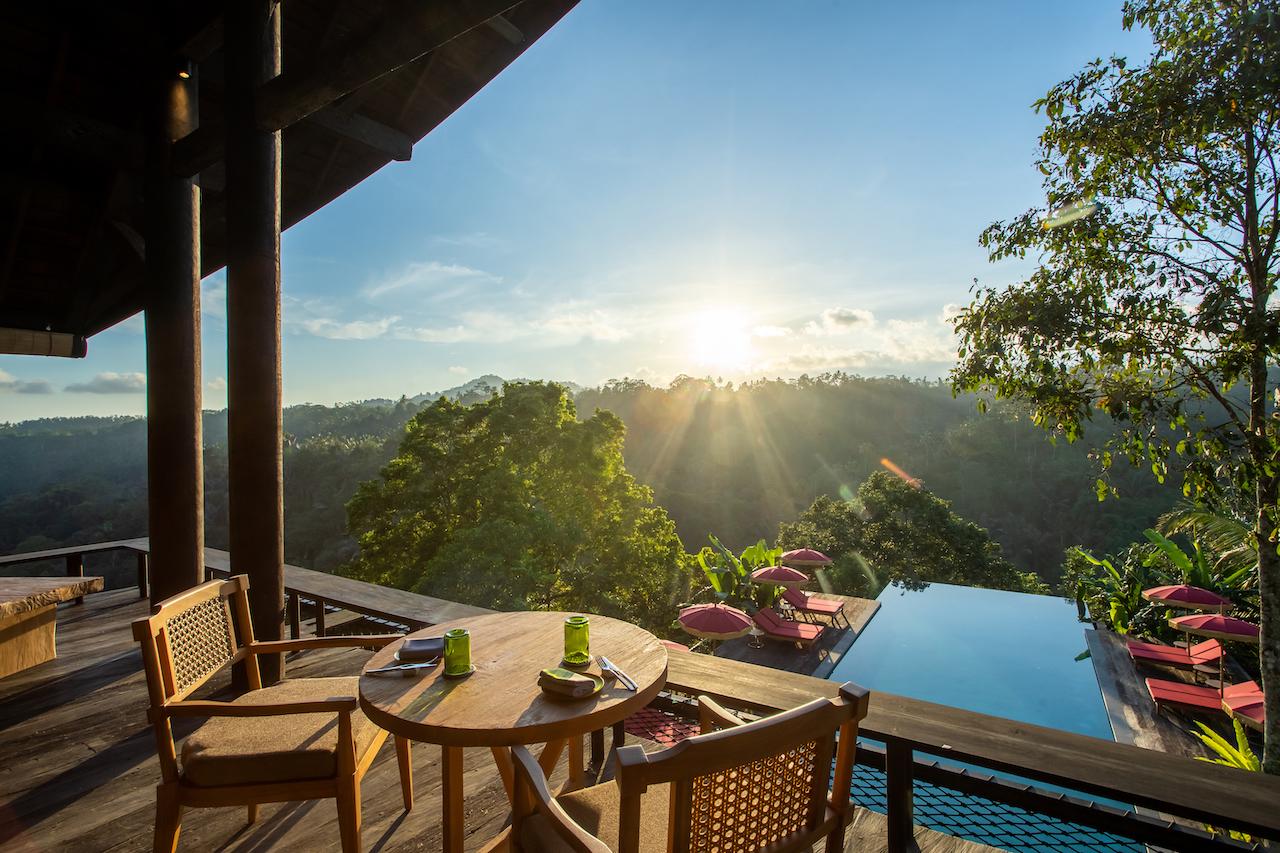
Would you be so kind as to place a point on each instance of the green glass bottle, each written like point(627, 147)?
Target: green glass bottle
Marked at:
point(457, 652)
point(577, 641)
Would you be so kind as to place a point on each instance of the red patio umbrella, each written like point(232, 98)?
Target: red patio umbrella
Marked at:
point(716, 621)
point(1187, 597)
point(1217, 626)
point(780, 576)
point(674, 646)
point(805, 557)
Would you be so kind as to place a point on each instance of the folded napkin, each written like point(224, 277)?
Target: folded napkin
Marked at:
point(418, 649)
point(566, 682)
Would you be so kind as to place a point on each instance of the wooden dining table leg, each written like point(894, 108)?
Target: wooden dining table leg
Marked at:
point(577, 773)
point(451, 817)
point(506, 771)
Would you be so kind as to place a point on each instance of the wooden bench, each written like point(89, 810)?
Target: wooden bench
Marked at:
point(28, 610)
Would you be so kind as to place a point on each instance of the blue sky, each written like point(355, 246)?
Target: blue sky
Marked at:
point(730, 189)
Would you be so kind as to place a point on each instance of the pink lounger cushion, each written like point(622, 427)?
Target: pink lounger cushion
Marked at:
point(812, 603)
point(771, 623)
point(1195, 696)
point(1201, 653)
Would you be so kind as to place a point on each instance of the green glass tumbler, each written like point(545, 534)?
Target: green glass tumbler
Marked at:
point(577, 641)
point(457, 652)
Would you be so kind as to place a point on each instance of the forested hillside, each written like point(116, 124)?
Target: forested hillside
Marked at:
point(737, 461)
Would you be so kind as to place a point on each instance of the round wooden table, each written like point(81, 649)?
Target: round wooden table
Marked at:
point(500, 705)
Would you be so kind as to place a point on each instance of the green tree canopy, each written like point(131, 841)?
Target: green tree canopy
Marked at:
point(514, 503)
point(1157, 260)
point(894, 531)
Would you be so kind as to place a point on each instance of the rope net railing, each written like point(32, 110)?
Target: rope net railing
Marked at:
point(943, 809)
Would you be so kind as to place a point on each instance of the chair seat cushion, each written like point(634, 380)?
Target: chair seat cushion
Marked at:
point(255, 750)
point(595, 809)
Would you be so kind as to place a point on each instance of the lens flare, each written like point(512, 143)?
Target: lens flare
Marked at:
point(893, 468)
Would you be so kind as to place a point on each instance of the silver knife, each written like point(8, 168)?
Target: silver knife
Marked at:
point(626, 680)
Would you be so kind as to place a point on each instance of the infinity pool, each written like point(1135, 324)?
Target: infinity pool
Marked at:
point(1008, 654)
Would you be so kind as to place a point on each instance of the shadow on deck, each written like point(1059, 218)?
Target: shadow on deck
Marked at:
point(81, 769)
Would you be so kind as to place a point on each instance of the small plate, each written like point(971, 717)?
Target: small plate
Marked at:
point(433, 661)
point(560, 697)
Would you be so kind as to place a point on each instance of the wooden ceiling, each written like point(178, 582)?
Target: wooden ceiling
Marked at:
point(72, 247)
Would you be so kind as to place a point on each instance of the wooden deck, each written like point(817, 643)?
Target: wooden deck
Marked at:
point(819, 659)
point(80, 767)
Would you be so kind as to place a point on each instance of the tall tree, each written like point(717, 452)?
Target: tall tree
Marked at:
point(514, 503)
point(895, 531)
point(1156, 262)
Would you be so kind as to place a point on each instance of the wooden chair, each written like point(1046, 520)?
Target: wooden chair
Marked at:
point(300, 739)
point(747, 787)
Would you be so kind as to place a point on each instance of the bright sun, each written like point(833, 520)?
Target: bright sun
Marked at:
point(721, 338)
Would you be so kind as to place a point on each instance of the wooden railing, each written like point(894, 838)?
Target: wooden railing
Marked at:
point(915, 734)
point(320, 591)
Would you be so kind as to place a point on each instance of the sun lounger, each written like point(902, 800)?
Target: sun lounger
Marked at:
point(813, 606)
point(1194, 697)
point(1246, 707)
point(1201, 653)
point(773, 625)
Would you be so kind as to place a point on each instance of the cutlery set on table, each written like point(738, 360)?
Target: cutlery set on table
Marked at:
point(421, 654)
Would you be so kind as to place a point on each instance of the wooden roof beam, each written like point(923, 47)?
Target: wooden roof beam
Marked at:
point(410, 30)
point(364, 130)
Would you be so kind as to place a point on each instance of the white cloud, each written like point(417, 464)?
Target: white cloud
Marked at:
point(354, 330)
point(950, 311)
point(425, 275)
point(217, 383)
point(9, 382)
point(562, 325)
point(111, 383)
point(839, 321)
point(458, 370)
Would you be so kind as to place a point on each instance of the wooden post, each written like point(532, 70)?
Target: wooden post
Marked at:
point(175, 462)
point(142, 574)
point(899, 784)
point(75, 569)
point(255, 475)
point(294, 607)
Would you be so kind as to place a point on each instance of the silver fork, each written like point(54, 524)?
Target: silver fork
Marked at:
point(608, 666)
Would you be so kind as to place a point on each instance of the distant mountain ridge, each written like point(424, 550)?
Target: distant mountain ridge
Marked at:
point(481, 386)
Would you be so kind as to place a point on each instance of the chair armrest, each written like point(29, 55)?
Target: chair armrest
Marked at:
point(713, 716)
point(208, 708)
point(528, 772)
point(351, 641)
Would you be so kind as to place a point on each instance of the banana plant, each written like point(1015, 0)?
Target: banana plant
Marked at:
point(1196, 569)
point(1112, 596)
point(729, 574)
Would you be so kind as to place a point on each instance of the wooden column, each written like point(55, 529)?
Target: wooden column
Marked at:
point(175, 464)
point(252, 48)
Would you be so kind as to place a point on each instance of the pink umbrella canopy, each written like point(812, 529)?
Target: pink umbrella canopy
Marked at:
point(716, 621)
point(780, 576)
point(1217, 626)
point(806, 557)
point(674, 646)
point(1186, 597)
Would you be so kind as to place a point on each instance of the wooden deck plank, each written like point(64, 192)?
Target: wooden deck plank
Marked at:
point(818, 659)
